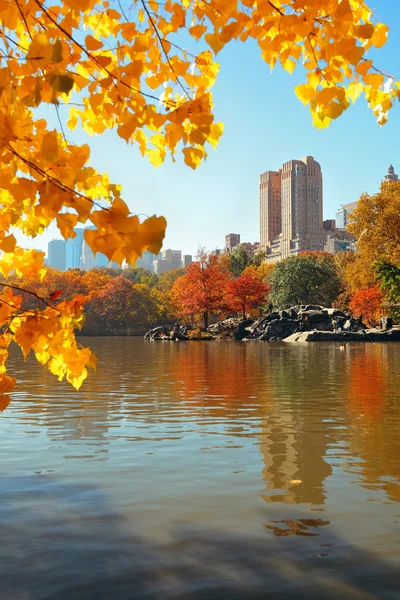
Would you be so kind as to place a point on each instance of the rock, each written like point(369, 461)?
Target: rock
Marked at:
point(258, 326)
point(316, 319)
point(156, 333)
point(240, 330)
point(335, 312)
point(279, 328)
point(283, 314)
point(345, 336)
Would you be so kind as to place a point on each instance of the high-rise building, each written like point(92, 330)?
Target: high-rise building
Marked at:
point(56, 254)
point(146, 260)
point(73, 249)
point(231, 241)
point(270, 208)
point(291, 209)
point(186, 260)
point(342, 215)
point(171, 259)
point(74, 253)
point(391, 175)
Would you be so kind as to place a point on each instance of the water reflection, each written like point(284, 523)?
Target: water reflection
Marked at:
point(236, 442)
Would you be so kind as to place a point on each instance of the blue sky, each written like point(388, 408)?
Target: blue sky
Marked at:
point(265, 125)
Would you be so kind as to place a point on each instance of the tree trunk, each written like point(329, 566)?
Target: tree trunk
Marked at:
point(205, 316)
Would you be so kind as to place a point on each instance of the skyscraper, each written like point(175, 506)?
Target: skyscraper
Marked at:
point(291, 209)
point(270, 207)
point(343, 213)
point(73, 249)
point(56, 254)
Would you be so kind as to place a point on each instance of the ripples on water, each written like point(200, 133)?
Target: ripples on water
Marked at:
point(204, 470)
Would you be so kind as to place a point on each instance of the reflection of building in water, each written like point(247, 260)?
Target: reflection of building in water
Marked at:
point(295, 433)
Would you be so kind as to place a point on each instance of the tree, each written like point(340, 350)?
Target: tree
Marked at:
point(304, 280)
point(376, 225)
point(104, 68)
point(122, 308)
point(367, 304)
point(202, 289)
point(389, 277)
point(238, 261)
point(246, 292)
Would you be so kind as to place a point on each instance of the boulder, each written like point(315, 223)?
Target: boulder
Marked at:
point(240, 331)
point(316, 319)
point(283, 314)
point(281, 328)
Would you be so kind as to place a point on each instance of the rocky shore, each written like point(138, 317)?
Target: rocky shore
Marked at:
point(297, 324)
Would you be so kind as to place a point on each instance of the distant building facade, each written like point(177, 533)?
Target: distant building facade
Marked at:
point(291, 209)
point(147, 259)
point(390, 175)
point(56, 254)
point(231, 241)
point(170, 260)
point(74, 253)
point(186, 260)
point(342, 215)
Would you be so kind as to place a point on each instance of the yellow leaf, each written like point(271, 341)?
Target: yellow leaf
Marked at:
point(305, 93)
point(354, 90)
point(57, 52)
point(380, 35)
point(365, 31)
point(156, 156)
point(66, 223)
point(197, 31)
point(374, 79)
point(8, 243)
point(50, 148)
point(193, 156)
point(92, 44)
point(214, 42)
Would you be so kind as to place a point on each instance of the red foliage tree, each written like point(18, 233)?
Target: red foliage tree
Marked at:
point(367, 304)
point(246, 292)
point(202, 289)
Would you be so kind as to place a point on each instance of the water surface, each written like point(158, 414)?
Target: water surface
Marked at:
point(204, 470)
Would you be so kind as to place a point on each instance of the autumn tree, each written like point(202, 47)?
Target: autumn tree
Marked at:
point(376, 225)
point(202, 289)
point(246, 292)
point(304, 279)
point(122, 308)
point(105, 68)
point(367, 304)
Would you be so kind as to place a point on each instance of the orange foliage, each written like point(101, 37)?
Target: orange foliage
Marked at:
point(246, 292)
point(367, 304)
point(202, 289)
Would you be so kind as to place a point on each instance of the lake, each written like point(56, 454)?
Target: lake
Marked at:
point(204, 470)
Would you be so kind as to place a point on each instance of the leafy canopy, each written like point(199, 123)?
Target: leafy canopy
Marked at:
point(104, 67)
point(304, 279)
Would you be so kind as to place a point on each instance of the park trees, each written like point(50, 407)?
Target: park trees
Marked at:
point(246, 292)
point(102, 67)
point(304, 279)
point(376, 225)
point(367, 304)
point(202, 289)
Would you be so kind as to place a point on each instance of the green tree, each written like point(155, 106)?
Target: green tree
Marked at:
point(239, 260)
point(304, 279)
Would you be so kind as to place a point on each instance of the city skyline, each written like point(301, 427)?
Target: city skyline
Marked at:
point(222, 194)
